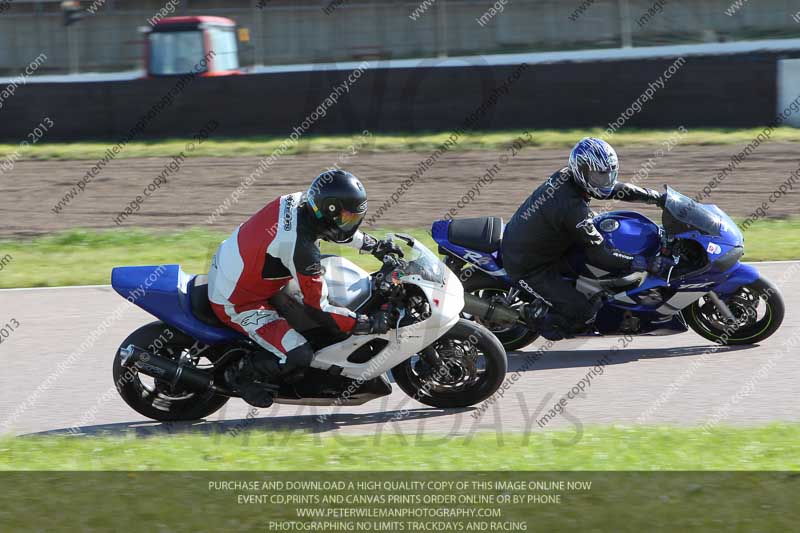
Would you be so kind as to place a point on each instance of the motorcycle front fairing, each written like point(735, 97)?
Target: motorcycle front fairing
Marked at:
point(707, 225)
point(441, 288)
point(716, 234)
point(629, 232)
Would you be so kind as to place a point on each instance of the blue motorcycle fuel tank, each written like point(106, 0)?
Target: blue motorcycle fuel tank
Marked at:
point(629, 232)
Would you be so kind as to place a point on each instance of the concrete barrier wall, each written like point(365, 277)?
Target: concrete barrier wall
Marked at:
point(789, 87)
point(720, 91)
point(300, 31)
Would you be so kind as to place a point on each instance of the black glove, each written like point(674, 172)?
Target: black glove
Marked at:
point(658, 265)
point(377, 323)
point(653, 196)
point(662, 200)
point(384, 248)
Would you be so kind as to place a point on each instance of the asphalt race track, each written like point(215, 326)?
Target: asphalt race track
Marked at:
point(655, 380)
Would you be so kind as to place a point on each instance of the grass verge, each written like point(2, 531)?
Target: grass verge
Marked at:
point(729, 479)
point(80, 257)
point(773, 447)
point(396, 142)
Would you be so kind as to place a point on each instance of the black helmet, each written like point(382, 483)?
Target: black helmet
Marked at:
point(338, 202)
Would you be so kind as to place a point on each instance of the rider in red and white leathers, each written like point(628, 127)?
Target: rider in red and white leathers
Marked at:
point(278, 243)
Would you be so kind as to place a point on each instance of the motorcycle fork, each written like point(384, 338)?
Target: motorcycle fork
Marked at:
point(722, 307)
point(431, 357)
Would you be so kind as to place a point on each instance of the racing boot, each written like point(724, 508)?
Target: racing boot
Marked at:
point(297, 361)
point(255, 377)
point(539, 318)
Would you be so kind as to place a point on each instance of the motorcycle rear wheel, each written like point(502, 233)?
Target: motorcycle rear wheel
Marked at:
point(758, 308)
point(152, 398)
point(514, 337)
point(475, 363)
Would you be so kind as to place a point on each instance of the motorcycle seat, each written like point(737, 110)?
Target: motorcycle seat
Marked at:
point(482, 233)
point(199, 302)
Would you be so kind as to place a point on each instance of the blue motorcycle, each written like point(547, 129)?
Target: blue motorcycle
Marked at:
point(708, 289)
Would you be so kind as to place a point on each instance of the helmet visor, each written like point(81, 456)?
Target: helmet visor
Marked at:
point(602, 180)
point(347, 222)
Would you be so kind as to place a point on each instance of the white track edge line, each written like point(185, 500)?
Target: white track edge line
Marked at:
point(109, 286)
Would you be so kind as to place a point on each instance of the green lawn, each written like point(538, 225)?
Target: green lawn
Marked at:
point(632, 479)
point(774, 447)
point(422, 141)
point(80, 257)
point(86, 257)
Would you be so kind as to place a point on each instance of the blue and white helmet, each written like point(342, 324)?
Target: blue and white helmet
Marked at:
point(594, 166)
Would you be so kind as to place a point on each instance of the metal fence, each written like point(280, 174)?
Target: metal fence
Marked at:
point(335, 30)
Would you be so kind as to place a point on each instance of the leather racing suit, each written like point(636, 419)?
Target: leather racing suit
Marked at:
point(260, 257)
point(553, 219)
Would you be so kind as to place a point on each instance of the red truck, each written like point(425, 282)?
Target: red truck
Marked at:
point(175, 45)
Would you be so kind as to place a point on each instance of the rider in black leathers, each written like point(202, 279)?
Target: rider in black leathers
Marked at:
point(554, 218)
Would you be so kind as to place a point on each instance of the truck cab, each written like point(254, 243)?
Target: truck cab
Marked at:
point(176, 45)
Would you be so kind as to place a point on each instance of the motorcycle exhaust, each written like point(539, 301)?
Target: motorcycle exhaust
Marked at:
point(490, 311)
point(155, 366)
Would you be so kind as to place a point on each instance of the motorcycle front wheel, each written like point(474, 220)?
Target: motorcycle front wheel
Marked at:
point(757, 308)
point(472, 367)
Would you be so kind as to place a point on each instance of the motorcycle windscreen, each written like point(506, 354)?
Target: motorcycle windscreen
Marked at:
point(349, 285)
point(682, 214)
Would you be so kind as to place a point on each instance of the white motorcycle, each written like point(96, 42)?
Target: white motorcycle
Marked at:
point(173, 369)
